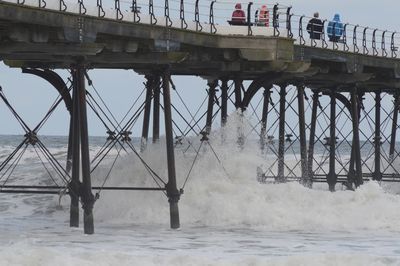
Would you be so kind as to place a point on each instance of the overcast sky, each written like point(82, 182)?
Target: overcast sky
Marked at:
point(32, 96)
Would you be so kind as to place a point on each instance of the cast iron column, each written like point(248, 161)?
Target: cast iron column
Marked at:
point(211, 95)
point(302, 133)
point(310, 157)
point(146, 115)
point(332, 177)
point(281, 148)
point(394, 127)
point(156, 109)
point(377, 175)
point(224, 102)
point(358, 179)
point(86, 188)
point(264, 118)
point(172, 191)
point(238, 93)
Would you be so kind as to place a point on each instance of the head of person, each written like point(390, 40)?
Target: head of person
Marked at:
point(336, 18)
point(238, 6)
point(316, 15)
point(264, 7)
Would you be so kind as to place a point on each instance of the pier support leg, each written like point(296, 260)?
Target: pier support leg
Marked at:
point(146, 115)
point(302, 134)
point(172, 191)
point(210, 107)
point(394, 127)
point(281, 148)
point(377, 175)
point(238, 93)
point(224, 102)
point(86, 188)
point(332, 177)
point(356, 153)
point(310, 156)
point(156, 110)
point(264, 118)
point(75, 152)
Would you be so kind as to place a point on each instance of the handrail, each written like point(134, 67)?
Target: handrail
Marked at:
point(213, 29)
point(184, 25)
point(100, 10)
point(153, 20)
point(199, 28)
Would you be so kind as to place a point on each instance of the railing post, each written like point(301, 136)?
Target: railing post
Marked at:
point(42, 4)
point(383, 44)
point(365, 49)
point(100, 10)
point(82, 8)
point(345, 46)
point(302, 40)
point(324, 43)
point(289, 23)
point(393, 48)
point(182, 15)
point(153, 20)
point(356, 49)
point(374, 50)
point(275, 20)
point(249, 31)
point(197, 16)
point(213, 29)
point(118, 13)
point(135, 11)
point(168, 21)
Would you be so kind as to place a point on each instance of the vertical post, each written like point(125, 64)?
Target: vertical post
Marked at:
point(211, 95)
point(156, 110)
point(394, 126)
point(86, 189)
point(146, 115)
point(238, 93)
point(224, 102)
point(75, 152)
point(172, 191)
point(310, 156)
point(281, 148)
point(302, 133)
point(377, 175)
point(332, 177)
point(264, 118)
point(356, 153)
point(68, 166)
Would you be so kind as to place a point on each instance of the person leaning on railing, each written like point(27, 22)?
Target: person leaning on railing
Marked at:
point(335, 29)
point(238, 15)
point(315, 27)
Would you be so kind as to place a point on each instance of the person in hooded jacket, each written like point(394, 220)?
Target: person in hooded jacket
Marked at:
point(263, 16)
point(315, 27)
point(335, 29)
point(238, 15)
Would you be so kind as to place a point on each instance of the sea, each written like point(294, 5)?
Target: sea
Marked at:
point(227, 216)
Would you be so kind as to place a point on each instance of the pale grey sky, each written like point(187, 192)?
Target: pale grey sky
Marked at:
point(32, 96)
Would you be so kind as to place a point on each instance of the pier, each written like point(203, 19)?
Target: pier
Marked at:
point(323, 86)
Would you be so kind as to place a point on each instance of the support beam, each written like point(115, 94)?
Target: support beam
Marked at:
point(238, 93)
point(310, 156)
point(394, 126)
point(224, 101)
point(86, 188)
point(171, 187)
point(156, 110)
point(332, 177)
point(281, 149)
point(210, 107)
point(146, 115)
point(264, 118)
point(356, 153)
point(302, 134)
point(377, 175)
point(75, 152)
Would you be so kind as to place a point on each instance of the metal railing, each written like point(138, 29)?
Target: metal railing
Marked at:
point(215, 17)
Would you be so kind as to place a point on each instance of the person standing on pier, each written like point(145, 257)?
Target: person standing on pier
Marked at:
point(335, 29)
point(238, 15)
point(315, 27)
point(263, 16)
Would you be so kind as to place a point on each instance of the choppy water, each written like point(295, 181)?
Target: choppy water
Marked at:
point(227, 217)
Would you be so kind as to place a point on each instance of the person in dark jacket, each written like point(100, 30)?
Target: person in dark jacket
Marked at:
point(315, 27)
point(238, 15)
point(335, 29)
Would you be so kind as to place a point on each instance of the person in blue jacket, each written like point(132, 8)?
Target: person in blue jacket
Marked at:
point(335, 29)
